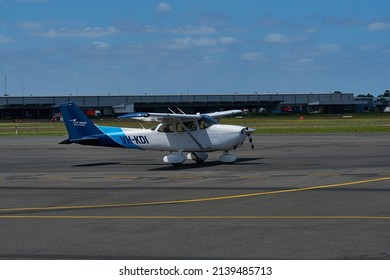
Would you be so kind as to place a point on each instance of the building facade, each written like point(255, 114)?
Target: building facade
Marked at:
point(45, 106)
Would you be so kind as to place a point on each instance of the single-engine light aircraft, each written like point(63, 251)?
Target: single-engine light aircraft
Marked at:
point(177, 133)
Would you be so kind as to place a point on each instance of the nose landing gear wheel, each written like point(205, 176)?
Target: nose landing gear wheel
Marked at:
point(227, 158)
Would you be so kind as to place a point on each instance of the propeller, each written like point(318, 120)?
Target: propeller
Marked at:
point(248, 132)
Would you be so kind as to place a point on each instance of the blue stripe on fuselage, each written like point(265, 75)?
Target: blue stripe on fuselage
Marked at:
point(116, 137)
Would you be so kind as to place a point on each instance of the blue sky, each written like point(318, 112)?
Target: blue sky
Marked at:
point(199, 46)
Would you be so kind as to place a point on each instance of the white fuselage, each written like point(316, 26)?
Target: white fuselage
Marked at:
point(214, 138)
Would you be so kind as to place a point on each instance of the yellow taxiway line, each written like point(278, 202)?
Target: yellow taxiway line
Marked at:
point(234, 217)
point(207, 199)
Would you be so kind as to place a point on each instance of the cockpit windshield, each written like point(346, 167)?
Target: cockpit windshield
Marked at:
point(206, 121)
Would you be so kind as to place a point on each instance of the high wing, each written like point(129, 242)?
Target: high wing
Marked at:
point(160, 117)
point(169, 117)
point(219, 115)
point(224, 113)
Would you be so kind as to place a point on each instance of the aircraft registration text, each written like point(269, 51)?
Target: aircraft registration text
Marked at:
point(140, 139)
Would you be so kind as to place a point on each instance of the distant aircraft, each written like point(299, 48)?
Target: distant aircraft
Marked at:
point(178, 133)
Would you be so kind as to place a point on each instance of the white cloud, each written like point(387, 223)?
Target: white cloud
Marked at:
point(373, 47)
point(227, 40)
point(30, 1)
point(311, 29)
point(200, 42)
point(200, 30)
point(303, 61)
point(328, 48)
point(275, 38)
point(252, 56)
point(30, 25)
point(87, 32)
point(163, 7)
point(190, 42)
point(379, 26)
point(279, 38)
point(4, 39)
point(101, 45)
point(205, 42)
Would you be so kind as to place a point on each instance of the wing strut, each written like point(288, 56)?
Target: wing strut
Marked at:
point(190, 134)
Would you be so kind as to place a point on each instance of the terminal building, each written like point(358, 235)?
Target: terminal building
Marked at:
point(21, 107)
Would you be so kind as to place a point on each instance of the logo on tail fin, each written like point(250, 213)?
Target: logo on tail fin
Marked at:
point(78, 123)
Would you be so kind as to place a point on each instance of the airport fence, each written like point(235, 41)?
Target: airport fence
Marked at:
point(32, 129)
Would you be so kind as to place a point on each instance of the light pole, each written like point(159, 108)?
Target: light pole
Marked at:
point(5, 85)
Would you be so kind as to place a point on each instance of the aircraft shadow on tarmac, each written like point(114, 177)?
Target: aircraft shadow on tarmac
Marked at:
point(184, 166)
point(96, 164)
point(240, 161)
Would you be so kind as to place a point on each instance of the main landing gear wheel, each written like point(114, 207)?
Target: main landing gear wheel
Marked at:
point(197, 157)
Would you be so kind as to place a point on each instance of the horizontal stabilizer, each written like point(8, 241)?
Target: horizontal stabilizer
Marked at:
point(83, 141)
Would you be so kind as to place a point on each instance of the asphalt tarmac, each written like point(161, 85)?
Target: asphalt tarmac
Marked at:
point(293, 197)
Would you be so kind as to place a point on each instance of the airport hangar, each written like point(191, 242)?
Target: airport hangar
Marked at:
point(21, 107)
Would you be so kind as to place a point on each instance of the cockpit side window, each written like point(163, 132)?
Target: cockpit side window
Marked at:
point(167, 128)
point(201, 124)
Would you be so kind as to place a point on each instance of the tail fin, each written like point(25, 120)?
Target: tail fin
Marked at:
point(80, 127)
